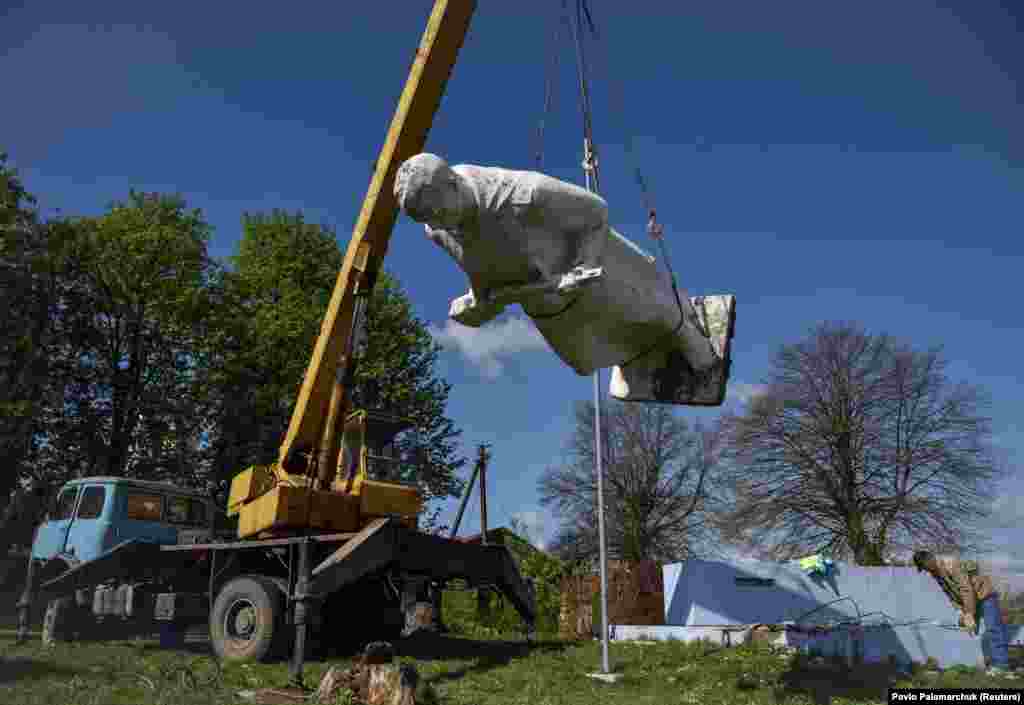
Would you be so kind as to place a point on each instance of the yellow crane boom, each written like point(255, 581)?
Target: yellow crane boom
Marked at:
point(288, 493)
point(321, 399)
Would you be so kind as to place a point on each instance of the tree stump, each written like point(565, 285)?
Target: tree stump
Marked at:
point(374, 679)
point(391, 685)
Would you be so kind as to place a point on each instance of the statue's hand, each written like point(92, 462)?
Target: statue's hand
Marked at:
point(469, 311)
point(579, 276)
point(440, 235)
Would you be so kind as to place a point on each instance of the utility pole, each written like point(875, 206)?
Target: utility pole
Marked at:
point(484, 456)
point(483, 597)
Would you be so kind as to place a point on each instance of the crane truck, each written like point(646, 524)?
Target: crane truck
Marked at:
point(325, 548)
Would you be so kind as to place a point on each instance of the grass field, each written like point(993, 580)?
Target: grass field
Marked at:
point(460, 671)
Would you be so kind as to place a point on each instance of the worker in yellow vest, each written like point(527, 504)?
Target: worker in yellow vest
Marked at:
point(976, 597)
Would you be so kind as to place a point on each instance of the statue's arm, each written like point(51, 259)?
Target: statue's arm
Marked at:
point(575, 213)
point(575, 209)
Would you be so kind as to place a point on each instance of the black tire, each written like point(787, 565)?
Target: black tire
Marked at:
point(58, 621)
point(247, 620)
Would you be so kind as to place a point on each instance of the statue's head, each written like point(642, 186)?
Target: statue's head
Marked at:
point(429, 191)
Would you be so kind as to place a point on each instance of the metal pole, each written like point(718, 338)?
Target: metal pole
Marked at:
point(590, 171)
point(301, 614)
point(600, 523)
point(483, 494)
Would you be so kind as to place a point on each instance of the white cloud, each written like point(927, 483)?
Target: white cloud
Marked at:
point(743, 392)
point(484, 346)
point(535, 524)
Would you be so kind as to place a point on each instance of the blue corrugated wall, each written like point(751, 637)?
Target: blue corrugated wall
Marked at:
point(712, 593)
point(906, 614)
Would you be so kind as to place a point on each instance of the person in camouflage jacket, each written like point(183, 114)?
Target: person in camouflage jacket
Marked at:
point(974, 595)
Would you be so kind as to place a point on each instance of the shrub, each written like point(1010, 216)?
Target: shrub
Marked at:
point(460, 606)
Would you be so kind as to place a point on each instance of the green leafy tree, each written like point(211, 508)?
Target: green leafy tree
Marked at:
point(32, 279)
point(272, 300)
point(25, 301)
point(122, 370)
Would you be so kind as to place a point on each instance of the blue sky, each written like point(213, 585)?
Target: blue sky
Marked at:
point(820, 161)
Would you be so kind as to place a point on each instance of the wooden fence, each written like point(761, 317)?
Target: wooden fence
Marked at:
point(636, 595)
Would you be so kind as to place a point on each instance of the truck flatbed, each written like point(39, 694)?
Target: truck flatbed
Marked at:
point(383, 546)
point(258, 543)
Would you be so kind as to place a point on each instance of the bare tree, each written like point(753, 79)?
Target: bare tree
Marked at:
point(861, 446)
point(659, 484)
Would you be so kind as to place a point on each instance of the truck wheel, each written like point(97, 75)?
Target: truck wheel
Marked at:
point(247, 620)
point(57, 621)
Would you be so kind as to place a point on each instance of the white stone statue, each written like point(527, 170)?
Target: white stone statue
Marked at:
point(599, 300)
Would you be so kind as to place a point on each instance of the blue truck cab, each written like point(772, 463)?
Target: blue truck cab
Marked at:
point(91, 515)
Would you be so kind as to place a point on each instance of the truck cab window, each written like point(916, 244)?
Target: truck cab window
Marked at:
point(92, 502)
point(64, 505)
point(144, 506)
